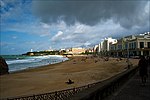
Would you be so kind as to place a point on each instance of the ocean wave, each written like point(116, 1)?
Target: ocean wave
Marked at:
point(33, 61)
point(22, 61)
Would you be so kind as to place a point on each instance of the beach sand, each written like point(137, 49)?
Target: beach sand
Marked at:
point(82, 70)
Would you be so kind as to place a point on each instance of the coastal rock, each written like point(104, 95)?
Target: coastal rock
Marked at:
point(3, 66)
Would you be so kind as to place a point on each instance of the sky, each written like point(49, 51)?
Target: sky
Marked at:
point(56, 24)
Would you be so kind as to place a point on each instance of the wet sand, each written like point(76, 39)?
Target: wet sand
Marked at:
point(82, 70)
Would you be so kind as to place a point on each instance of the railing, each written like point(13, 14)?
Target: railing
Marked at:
point(104, 89)
point(57, 95)
point(95, 91)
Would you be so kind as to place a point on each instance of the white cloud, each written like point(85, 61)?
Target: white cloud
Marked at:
point(79, 30)
point(87, 43)
point(44, 25)
point(126, 13)
point(2, 3)
point(12, 48)
point(14, 37)
point(35, 27)
point(57, 36)
point(84, 35)
point(59, 33)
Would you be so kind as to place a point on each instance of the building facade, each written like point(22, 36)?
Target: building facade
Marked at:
point(134, 45)
point(104, 47)
point(76, 51)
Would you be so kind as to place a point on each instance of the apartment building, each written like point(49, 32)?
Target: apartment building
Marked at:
point(134, 45)
point(104, 46)
point(76, 51)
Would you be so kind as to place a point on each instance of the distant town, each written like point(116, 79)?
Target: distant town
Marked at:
point(132, 46)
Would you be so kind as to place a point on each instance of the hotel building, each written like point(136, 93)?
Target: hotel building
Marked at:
point(76, 51)
point(134, 45)
point(103, 47)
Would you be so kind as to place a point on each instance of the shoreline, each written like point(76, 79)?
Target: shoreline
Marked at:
point(26, 67)
point(34, 68)
point(44, 66)
point(53, 77)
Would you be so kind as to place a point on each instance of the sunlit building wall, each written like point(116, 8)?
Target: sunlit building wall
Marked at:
point(134, 45)
point(77, 50)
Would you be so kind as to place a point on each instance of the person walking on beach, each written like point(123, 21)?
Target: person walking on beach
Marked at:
point(143, 69)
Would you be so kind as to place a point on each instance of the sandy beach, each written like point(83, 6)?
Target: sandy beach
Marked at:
point(81, 69)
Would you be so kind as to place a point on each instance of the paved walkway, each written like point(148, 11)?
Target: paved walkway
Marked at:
point(133, 90)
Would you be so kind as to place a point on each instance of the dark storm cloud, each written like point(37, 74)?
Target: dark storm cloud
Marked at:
point(128, 13)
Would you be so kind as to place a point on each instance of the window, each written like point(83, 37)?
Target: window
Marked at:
point(130, 45)
point(119, 47)
point(141, 44)
point(126, 45)
point(111, 47)
point(148, 44)
point(134, 45)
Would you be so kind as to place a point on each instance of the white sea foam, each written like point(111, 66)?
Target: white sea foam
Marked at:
point(21, 61)
point(33, 61)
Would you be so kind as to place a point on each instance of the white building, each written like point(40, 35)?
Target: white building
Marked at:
point(95, 48)
point(76, 51)
point(104, 45)
point(100, 46)
point(133, 45)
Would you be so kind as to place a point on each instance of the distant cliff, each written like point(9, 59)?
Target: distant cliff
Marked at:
point(3, 66)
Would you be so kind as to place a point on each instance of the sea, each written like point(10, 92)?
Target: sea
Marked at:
point(22, 62)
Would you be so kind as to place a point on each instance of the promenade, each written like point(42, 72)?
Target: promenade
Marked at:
point(133, 90)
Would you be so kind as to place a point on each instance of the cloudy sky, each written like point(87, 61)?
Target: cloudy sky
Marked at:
point(55, 24)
